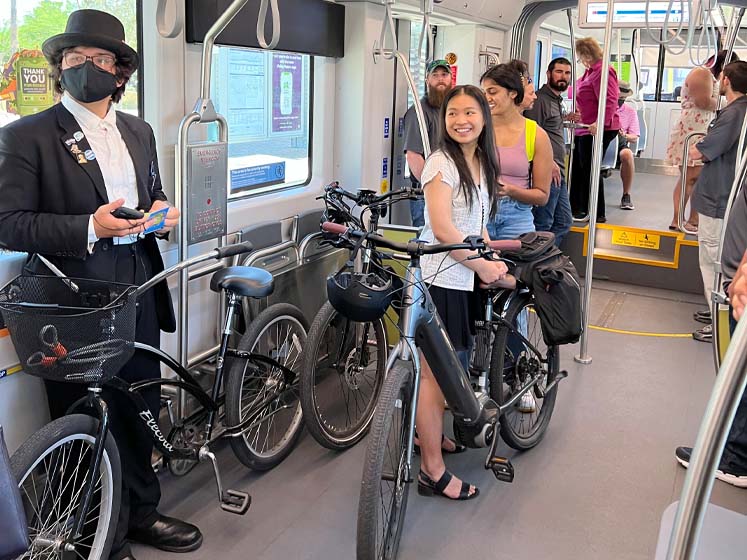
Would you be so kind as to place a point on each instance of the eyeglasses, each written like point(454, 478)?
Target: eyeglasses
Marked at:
point(103, 61)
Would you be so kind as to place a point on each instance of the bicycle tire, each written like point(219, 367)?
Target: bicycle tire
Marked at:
point(246, 446)
point(350, 365)
point(48, 448)
point(395, 400)
point(502, 379)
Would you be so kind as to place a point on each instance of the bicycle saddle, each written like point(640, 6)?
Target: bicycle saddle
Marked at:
point(244, 281)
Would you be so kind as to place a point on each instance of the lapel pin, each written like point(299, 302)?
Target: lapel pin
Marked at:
point(89, 155)
point(82, 159)
point(69, 142)
point(78, 136)
point(75, 150)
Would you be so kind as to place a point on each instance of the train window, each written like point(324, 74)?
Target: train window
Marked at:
point(417, 66)
point(537, 64)
point(676, 69)
point(649, 71)
point(266, 98)
point(25, 87)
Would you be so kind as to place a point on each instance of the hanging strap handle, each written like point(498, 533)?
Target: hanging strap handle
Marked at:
point(262, 18)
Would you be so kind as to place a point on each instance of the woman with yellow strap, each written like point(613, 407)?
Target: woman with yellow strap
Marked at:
point(524, 152)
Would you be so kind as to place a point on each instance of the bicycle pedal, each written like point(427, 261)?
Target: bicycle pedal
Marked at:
point(502, 468)
point(234, 501)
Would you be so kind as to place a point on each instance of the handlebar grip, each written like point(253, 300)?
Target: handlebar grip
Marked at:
point(332, 227)
point(235, 249)
point(505, 245)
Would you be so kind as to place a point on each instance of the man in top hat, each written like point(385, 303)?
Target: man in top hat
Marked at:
point(438, 84)
point(62, 173)
point(629, 132)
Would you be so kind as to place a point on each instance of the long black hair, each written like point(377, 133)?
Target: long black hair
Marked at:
point(486, 150)
point(720, 62)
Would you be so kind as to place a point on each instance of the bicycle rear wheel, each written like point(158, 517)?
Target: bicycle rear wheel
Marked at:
point(513, 364)
point(257, 389)
point(51, 468)
point(341, 375)
point(385, 485)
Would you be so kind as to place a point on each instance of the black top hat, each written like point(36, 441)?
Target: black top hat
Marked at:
point(91, 28)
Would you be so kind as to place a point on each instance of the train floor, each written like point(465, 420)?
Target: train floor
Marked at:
point(651, 194)
point(593, 489)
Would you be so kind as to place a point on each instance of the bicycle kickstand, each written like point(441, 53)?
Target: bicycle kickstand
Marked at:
point(232, 501)
point(501, 466)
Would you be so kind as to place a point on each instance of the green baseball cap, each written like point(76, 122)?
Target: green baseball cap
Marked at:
point(440, 63)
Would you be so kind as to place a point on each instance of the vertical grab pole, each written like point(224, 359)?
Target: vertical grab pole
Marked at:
point(717, 420)
point(583, 356)
point(203, 112)
point(732, 38)
point(572, 32)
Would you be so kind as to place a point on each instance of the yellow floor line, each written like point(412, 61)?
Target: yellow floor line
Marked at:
point(641, 333)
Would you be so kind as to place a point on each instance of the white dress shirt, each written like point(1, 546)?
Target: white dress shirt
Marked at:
point(111, 153)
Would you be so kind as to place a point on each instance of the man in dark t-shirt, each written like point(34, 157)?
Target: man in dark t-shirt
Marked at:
point(438, 84)
point(732, 467)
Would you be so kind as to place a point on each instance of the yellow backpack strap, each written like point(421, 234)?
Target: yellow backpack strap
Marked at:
point(531, 135)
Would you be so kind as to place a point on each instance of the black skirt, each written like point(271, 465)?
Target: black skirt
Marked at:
point(458, 310)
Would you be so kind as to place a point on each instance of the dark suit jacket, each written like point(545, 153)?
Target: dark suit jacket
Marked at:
point(47, 196)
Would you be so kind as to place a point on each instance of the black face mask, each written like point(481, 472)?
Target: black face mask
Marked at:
point(620, 102)
point(87, 83)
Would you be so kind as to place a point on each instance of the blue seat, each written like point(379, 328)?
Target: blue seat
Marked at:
point(609, 160)
point(644, 132)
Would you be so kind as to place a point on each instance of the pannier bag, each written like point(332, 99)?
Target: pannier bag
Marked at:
point(555, 283)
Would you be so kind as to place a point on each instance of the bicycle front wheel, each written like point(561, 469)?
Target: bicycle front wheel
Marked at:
point(52, 467)
point(341, 375)
point(513, 364)
point(385, 484)
point(265, 392)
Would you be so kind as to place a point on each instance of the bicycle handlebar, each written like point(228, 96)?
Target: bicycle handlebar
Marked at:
point(419, 247)
point(370, 198)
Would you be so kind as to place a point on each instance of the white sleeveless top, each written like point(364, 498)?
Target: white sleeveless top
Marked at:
point(440, 269)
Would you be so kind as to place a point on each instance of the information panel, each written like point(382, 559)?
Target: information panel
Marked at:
point(207, 176)
point(632, 14)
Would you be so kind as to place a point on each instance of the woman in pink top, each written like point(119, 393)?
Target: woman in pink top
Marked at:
point(587, 100)
point(522, 184)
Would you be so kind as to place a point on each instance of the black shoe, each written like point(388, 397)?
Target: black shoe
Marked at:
point(601, 220)
point(683, 454)
point(626, 203)
point(169, 534)
point(703, 316)
point(705, 334)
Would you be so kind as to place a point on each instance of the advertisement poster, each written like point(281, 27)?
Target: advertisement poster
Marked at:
point(287, 73)
point(25, 86)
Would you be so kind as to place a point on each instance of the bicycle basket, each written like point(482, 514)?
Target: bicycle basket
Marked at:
point(61, 334)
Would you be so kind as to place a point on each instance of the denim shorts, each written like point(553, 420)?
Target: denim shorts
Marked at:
point(513, 219)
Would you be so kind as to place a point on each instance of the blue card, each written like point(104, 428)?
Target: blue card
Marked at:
point(156, 219)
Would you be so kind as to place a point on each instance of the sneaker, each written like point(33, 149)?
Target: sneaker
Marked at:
point(527, 404)
point(581, 217)
point(705, 334)
point(683, 454)
point(625, 203)
point(703, 316)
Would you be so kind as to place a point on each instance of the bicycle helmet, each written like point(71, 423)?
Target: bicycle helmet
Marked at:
point(360, 297)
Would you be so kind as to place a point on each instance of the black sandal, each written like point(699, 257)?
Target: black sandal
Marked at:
point(457, 448)
point(427, 487)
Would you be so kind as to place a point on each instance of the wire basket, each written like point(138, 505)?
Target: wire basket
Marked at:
point(73, 330)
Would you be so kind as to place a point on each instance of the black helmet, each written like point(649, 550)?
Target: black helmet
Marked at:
point(360, 297)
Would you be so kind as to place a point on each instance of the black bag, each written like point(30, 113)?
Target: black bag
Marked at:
point(13, 526)
point(555, 283)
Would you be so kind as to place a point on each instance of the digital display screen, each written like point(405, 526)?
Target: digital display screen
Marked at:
point(633, 14)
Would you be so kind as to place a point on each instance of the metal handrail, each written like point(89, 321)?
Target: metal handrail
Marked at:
point(683, 180)
point(583, 357)
point(426, 29)
point(731, 39)
point(572, 32)
point(709, 445)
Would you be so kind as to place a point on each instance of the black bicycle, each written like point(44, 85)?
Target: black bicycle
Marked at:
point(387, 470)
point(343, 363)
point(83, 331)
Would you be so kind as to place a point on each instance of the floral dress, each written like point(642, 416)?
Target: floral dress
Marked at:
point(692, 119)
